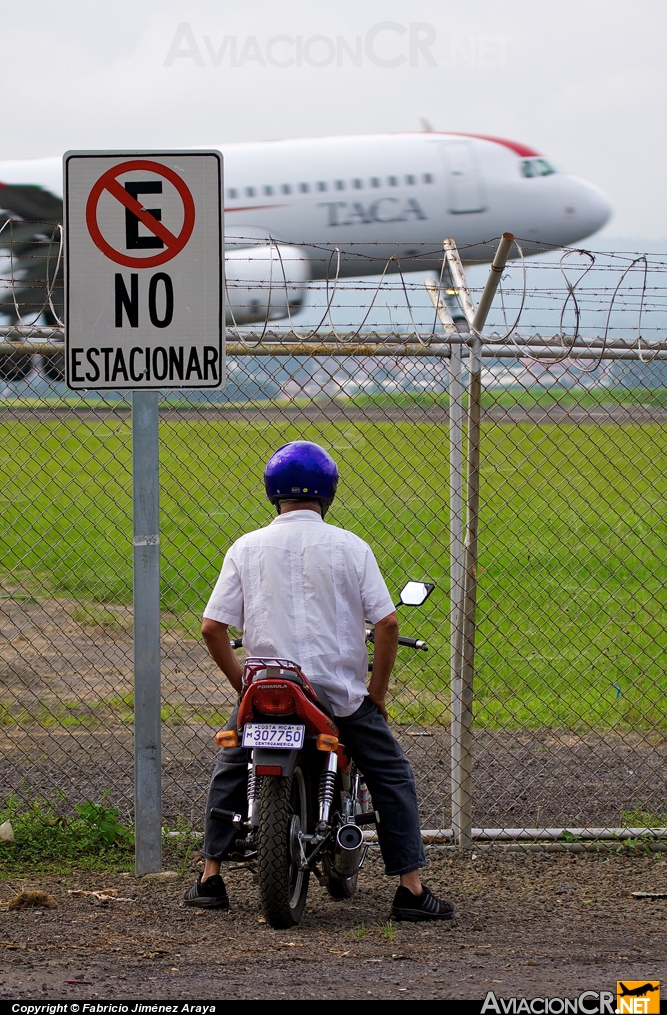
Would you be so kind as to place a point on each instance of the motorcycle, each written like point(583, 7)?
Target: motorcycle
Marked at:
point(308, 803)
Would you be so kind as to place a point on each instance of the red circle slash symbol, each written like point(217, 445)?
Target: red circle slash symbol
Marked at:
point(173, 244)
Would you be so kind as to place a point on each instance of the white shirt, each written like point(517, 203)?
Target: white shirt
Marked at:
point(301, 589)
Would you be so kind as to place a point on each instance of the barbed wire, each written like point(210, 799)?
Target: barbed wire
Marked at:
point(303, 291)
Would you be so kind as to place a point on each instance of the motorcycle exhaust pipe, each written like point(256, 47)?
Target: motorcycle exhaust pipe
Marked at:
point(349, 841)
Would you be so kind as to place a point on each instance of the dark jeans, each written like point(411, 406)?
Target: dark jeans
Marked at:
point(388, 776)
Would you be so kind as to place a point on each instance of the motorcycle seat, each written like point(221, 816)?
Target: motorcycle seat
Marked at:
point(323, 699)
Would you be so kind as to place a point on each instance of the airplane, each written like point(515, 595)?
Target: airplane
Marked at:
point(313, 208)
point(644, 988)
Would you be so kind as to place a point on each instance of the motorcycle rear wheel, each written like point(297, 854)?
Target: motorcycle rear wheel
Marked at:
point(283, 812)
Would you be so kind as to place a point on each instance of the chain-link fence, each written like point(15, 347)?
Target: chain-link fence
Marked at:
point(570, 684)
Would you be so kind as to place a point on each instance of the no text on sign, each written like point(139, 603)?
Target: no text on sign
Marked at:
point(129, 326)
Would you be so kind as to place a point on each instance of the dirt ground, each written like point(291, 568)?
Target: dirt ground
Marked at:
point(526, 923)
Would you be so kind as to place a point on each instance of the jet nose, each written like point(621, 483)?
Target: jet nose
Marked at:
point(593, 208)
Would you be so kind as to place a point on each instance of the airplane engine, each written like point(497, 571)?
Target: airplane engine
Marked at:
point(265, 282)
point(14, 366)
point(53, 366)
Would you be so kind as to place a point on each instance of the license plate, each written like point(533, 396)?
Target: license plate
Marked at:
point(273, 734)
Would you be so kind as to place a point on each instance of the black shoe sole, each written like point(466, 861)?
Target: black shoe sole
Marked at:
point(207, 902)
point(417, 915)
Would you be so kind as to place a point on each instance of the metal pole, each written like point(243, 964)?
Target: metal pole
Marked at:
point(455, 573)
point(463, 654)
point(446, 319)
point(493, 280)
point(147, 739)
point(461, 703)
point(464, 663)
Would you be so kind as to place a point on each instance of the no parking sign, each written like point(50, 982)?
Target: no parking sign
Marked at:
point(144, 270)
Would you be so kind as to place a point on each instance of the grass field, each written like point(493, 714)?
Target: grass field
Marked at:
point(573, 562)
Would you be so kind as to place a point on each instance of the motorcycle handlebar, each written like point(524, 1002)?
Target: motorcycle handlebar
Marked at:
point(413, 643)
point(407, 642)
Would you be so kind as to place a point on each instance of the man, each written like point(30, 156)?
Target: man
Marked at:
point(301, 589)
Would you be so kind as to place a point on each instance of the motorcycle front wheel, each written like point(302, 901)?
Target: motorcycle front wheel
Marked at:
point(283, 813)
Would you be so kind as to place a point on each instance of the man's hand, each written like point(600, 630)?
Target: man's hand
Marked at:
point(217, 642)
point(386, 643)
point(380, 702)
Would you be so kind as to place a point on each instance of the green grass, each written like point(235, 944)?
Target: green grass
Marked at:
point(101, 714)
point(53, 836)
point(642, 818)
point(573, 547)
point(89, 836)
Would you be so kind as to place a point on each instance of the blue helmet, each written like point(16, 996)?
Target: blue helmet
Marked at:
point(301, 470)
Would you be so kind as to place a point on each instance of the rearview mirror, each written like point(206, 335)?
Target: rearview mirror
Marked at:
point(415, 593)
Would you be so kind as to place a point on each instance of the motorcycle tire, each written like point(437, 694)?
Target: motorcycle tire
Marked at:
point(284, 808)
point(341, 888)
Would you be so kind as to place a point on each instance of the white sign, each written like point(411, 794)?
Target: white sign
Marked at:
point(144, 270)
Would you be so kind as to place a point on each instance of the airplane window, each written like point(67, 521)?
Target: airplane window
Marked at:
point(536, 167)
point(321, 185)
point(375, 181)
point(392, 181)
point(340, 184)
point(427, 177)
point(232, 193)
point(357, 184)
point(304, 188)
point(286, 188)
point(250, 192)
point(268, 191)
point(409, 179)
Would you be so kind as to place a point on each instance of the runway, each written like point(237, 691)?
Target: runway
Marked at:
point(641, 415)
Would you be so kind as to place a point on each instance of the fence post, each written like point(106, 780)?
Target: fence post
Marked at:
point(466, 661)
point(147, 733)
point(463, 665)
point(455, 572)
point(446, 319)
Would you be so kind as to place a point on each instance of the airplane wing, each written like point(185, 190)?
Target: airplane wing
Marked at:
point(31, 203)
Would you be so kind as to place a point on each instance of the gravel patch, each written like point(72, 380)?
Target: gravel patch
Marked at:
point(530, 924)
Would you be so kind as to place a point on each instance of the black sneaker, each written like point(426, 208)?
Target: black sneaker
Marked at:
point(210, 894)
point(407, 906)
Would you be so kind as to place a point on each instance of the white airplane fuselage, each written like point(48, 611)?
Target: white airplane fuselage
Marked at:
point(374, 197)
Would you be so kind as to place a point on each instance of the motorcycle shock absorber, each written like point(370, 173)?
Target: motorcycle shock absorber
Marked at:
point(326, 790)
point(252, 782)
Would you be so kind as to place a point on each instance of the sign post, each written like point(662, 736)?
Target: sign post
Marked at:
point(147, 704)
point(144, 312)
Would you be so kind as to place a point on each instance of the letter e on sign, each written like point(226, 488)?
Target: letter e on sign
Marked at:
point(144, 270)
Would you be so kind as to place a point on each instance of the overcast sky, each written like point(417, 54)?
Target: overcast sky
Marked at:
point(583, 81)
